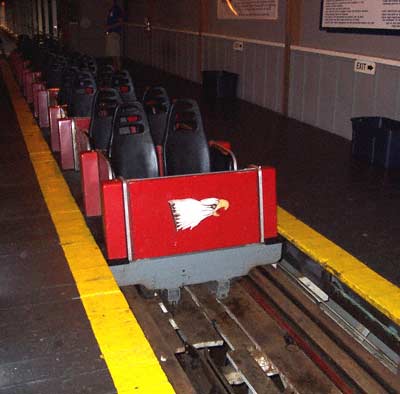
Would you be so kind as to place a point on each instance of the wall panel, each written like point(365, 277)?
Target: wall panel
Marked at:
point(248, 72)
point(324, 91)
point(327, 93)
point(278, 77)
point(344, 97)
point(259, 86)
point(228, 55)
point(311, 88)
point(296, 86)
point(259, 65)
point(387, 92)
point(194, 56)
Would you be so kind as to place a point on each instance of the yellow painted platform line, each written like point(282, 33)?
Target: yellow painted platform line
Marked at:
point(378, 291)
point(131, 361)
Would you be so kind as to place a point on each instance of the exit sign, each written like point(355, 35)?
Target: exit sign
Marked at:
point(364, 66)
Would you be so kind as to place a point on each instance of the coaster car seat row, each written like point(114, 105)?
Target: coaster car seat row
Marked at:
point(75, 98)
point(175, 209)
point(189, 226)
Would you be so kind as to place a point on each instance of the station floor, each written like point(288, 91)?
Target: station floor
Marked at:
point(46, 343)
point(49, 341)
point(65, 326)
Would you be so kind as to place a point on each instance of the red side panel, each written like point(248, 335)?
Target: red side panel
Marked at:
point(53, 95)
point(30, 77)
point(18, 66)
point(82, 123)
point(104, 168)
point(43, 103)
point(26, 66)
point(36, 88)
point(27, 75)
point(114, 220)
point(66, 144)
point(54, 116)
point(94, 171)
point(20, 75)
point(82, 141)
point(269, 198)
point(15, 60)
point(153, 228)
point(90, 183)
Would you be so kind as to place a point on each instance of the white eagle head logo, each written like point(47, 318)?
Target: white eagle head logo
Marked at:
point(188, 213)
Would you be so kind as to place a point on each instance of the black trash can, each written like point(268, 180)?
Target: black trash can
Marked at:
point(220, 84)
point(363, 137)
point(377, 140)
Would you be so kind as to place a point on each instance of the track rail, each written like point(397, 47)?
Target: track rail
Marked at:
point(343, 360)
point(259, 294)
point(267, 336)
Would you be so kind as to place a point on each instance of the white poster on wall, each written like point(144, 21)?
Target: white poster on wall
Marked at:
point(361, 14)
point(247, 9)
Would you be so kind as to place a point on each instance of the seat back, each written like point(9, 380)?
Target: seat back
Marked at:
point(54, 71)
point(157, 104)
point(67, 85)
point(74, 58)
point(89, 63)
point(185, 145)
point(105, 103)
point(122, 81)
point(83, 94)
point(104, 76)
point(132, 151)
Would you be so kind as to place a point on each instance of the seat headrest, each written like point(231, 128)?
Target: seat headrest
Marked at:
point(157, 105)
point(104, 106)
point(132, 152)
point(185, 145)
point(122, 81)
point(104, 75)
point(105, 103)
point(130, 118)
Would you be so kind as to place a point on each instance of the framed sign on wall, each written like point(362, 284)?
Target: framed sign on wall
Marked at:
point(247, 9)
point(361, 16)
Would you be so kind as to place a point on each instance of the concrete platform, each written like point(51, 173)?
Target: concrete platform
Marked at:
point(66, 327)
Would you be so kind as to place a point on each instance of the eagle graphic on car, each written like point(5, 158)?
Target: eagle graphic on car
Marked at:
point(188, 212)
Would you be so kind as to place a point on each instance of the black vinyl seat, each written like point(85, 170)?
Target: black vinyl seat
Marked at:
point(185, 145)
point(122, 81)
point(104, 76)
point(67, 85)
point(157, 104)
point(74, 58)
point(132, 151)
point(55, 71)
point(89, 63)
point(105, 103)
point(83, 94)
